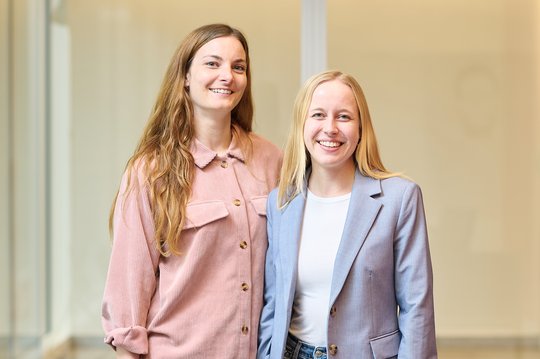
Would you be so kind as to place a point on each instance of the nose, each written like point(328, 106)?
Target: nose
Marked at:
point(226, 74)
point(330, 126)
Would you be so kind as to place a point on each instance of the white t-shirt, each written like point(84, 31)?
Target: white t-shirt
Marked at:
point(324, 219)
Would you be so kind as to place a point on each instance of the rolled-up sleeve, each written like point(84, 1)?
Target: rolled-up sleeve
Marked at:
point(131, 278)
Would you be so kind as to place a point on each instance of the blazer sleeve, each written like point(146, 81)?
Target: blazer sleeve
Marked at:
point(267, 315)
point(414, 279)
point(131, 277)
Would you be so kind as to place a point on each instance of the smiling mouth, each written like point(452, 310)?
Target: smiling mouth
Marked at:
point(222, 91)
point(331, 144)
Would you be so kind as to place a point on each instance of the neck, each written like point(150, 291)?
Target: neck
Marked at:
point(214, 133)
point(331, 183)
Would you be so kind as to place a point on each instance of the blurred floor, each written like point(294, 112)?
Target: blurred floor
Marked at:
point(103, 352)
point(444, 353)
point(498, 353)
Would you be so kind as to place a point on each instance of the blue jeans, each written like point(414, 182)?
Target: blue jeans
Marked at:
point(297, 349)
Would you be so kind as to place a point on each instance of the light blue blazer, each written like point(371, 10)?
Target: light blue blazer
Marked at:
point(381, 298)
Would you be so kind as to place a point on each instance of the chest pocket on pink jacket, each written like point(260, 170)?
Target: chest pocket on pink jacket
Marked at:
point(259, 204)
point(199, 214)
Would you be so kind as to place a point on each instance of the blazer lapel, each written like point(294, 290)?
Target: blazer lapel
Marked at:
point(363, 210)
point(289, 239)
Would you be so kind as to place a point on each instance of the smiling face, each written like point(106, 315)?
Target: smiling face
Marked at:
point(217, 77)
point(332, 127)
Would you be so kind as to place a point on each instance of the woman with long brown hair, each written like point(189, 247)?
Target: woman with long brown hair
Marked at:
point(185, 277)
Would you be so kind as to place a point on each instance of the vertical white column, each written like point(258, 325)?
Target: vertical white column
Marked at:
point(37, 33)
point(59, 259)
point(313, 38)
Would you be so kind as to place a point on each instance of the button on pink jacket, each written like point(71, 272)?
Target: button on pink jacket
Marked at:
point(206, 302)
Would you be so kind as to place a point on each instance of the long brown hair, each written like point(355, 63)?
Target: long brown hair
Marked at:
point(296, 159)
point(164, 148)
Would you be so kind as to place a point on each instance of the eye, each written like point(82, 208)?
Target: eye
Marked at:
point(212, 64)
point(239, 69)
point(344, 117)
point(318, 115)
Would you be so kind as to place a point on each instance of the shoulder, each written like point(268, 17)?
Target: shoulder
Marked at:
point(137, 175)
point(138, 170)
point(266, 159)
point(398, 184)
point(401, 192)
point(262, 144)
point(274, 207)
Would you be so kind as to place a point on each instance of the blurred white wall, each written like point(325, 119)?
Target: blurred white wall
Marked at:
point(453, 89)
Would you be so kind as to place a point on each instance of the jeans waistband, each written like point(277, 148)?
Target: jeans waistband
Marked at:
point(303, 350)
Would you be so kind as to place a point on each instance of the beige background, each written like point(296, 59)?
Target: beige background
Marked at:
point(453, 88)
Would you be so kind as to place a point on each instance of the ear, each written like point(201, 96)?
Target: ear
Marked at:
point(186, 82)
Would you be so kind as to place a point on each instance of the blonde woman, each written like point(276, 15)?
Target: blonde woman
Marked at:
point(185, 277)
point(348, 270)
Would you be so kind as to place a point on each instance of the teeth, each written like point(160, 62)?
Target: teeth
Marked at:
point(221, 91)
point(330, 143)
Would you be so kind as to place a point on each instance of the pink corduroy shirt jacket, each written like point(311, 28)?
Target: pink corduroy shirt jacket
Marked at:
point(206, 302)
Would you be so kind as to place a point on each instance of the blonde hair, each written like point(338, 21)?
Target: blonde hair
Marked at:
point(164, 148)
point(296, 157)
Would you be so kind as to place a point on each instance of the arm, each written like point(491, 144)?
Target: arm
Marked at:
point(131, 278)
point(267, 314)
point(414, 279)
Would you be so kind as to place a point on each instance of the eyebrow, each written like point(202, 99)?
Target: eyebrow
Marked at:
point(319, 109)
point(221, 59)
point(322, 109)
